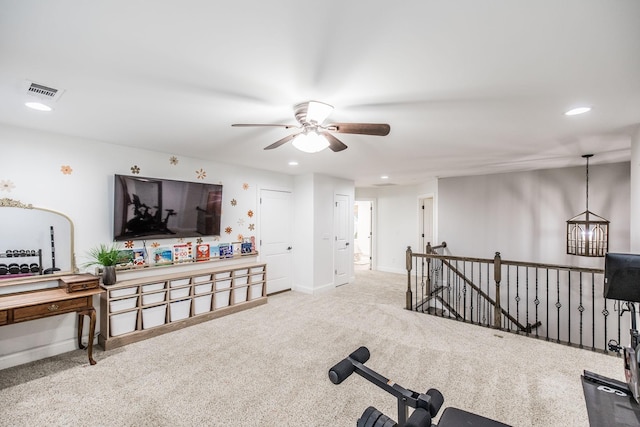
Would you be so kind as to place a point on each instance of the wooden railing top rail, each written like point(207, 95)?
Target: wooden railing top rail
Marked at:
point(507, 262)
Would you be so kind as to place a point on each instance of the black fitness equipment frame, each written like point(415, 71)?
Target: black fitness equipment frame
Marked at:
point(610, 401)
point(426, 405)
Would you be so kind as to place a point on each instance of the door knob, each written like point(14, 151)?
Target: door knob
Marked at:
point(289, 248)
point(346, 244)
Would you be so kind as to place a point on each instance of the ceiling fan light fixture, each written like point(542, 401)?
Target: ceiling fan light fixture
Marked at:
point(318, 112)
point(310, 142)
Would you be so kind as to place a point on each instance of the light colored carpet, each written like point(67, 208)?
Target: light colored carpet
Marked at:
point(268, 367)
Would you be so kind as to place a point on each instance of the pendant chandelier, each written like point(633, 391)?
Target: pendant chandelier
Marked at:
point(587, 233)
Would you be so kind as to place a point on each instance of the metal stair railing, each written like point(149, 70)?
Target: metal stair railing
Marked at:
point(558, 303)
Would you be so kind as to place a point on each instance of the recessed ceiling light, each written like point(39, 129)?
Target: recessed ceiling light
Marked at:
point(576, 111)
point(38, 106)
point(384, 177)
point(293, 163)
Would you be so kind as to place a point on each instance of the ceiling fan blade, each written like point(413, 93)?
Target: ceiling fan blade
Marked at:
point(334, 143)
point(280, 142)
point(262, 124)
point(380, 129)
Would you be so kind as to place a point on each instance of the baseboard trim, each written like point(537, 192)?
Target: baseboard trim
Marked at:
point(392, 270)
point(42, 352)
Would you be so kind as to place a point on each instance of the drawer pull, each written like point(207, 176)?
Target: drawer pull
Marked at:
point(53, 307)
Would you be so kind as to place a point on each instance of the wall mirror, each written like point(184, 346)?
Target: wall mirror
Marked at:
point(34, 242)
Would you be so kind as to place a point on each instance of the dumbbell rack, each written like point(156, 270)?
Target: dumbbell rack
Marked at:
point(9, 268)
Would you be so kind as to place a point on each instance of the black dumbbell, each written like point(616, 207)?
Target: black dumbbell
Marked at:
point(4, 269)
point(14, 269)
point(35, 268)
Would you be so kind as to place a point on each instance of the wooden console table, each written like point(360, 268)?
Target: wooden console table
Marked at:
point(24, 306)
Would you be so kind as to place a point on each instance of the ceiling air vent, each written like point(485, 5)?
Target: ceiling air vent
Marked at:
point(42, 91)
point(37, 89)
point(385, 184)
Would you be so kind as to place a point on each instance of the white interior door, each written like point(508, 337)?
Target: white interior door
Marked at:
point(426, 207)
point(342, 255)
point(276, 238)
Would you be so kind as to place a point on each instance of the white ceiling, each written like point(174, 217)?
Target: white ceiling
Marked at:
point(468, 86)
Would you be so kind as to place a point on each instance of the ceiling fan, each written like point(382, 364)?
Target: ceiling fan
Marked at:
point(313, 136)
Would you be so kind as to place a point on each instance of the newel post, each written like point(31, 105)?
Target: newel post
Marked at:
point(409, 263)
point(497, 275)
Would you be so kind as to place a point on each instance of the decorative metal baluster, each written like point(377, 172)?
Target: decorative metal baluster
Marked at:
point(508, 298)
point(593, 313)
point(547, 299)
point(471, 294)
point(526, 288)
point(450, 291)
point(536, 302)
point(486, 303)
point(518, 294)
point(580, 308)
point(618, 304)
point(558, 303)
point(605, 313)
point(481, 309)
point(421, 294)
point(569, 305)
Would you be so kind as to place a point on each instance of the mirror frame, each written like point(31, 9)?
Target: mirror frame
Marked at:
point(11, 203)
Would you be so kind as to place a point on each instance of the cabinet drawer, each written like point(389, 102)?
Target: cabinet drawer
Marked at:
point(50, 309)
point(3, 317)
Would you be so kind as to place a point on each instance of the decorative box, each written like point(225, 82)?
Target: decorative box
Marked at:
point(79, 282)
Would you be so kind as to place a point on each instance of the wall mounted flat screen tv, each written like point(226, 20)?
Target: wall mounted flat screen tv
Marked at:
point(622, 277)
point(153, 208)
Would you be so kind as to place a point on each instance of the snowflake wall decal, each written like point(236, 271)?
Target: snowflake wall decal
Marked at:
point(128, 244)
point(173, 160)
point(228, 230)
point(155, 244)
point(241, 222)
point(199, 240)
point(240, 237)
point(250, 213)
point(245, 186)
point(135, 169)
point(252, 227)
point(201, 174)
point(6, 185)
point(66, 169)
point(234, 202)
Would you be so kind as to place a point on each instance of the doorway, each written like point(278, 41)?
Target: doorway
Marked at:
point(363, 235)
point(426, 215)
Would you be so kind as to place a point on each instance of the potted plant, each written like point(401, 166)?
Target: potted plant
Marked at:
point(107, 256)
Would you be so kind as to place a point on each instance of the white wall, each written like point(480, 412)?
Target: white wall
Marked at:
point(523, 215)
point(314, 210)
point(303, 244)
point(32, 163)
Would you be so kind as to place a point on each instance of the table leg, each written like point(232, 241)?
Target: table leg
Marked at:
point(80, 326)
point(92, 330)
point(91, 312)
